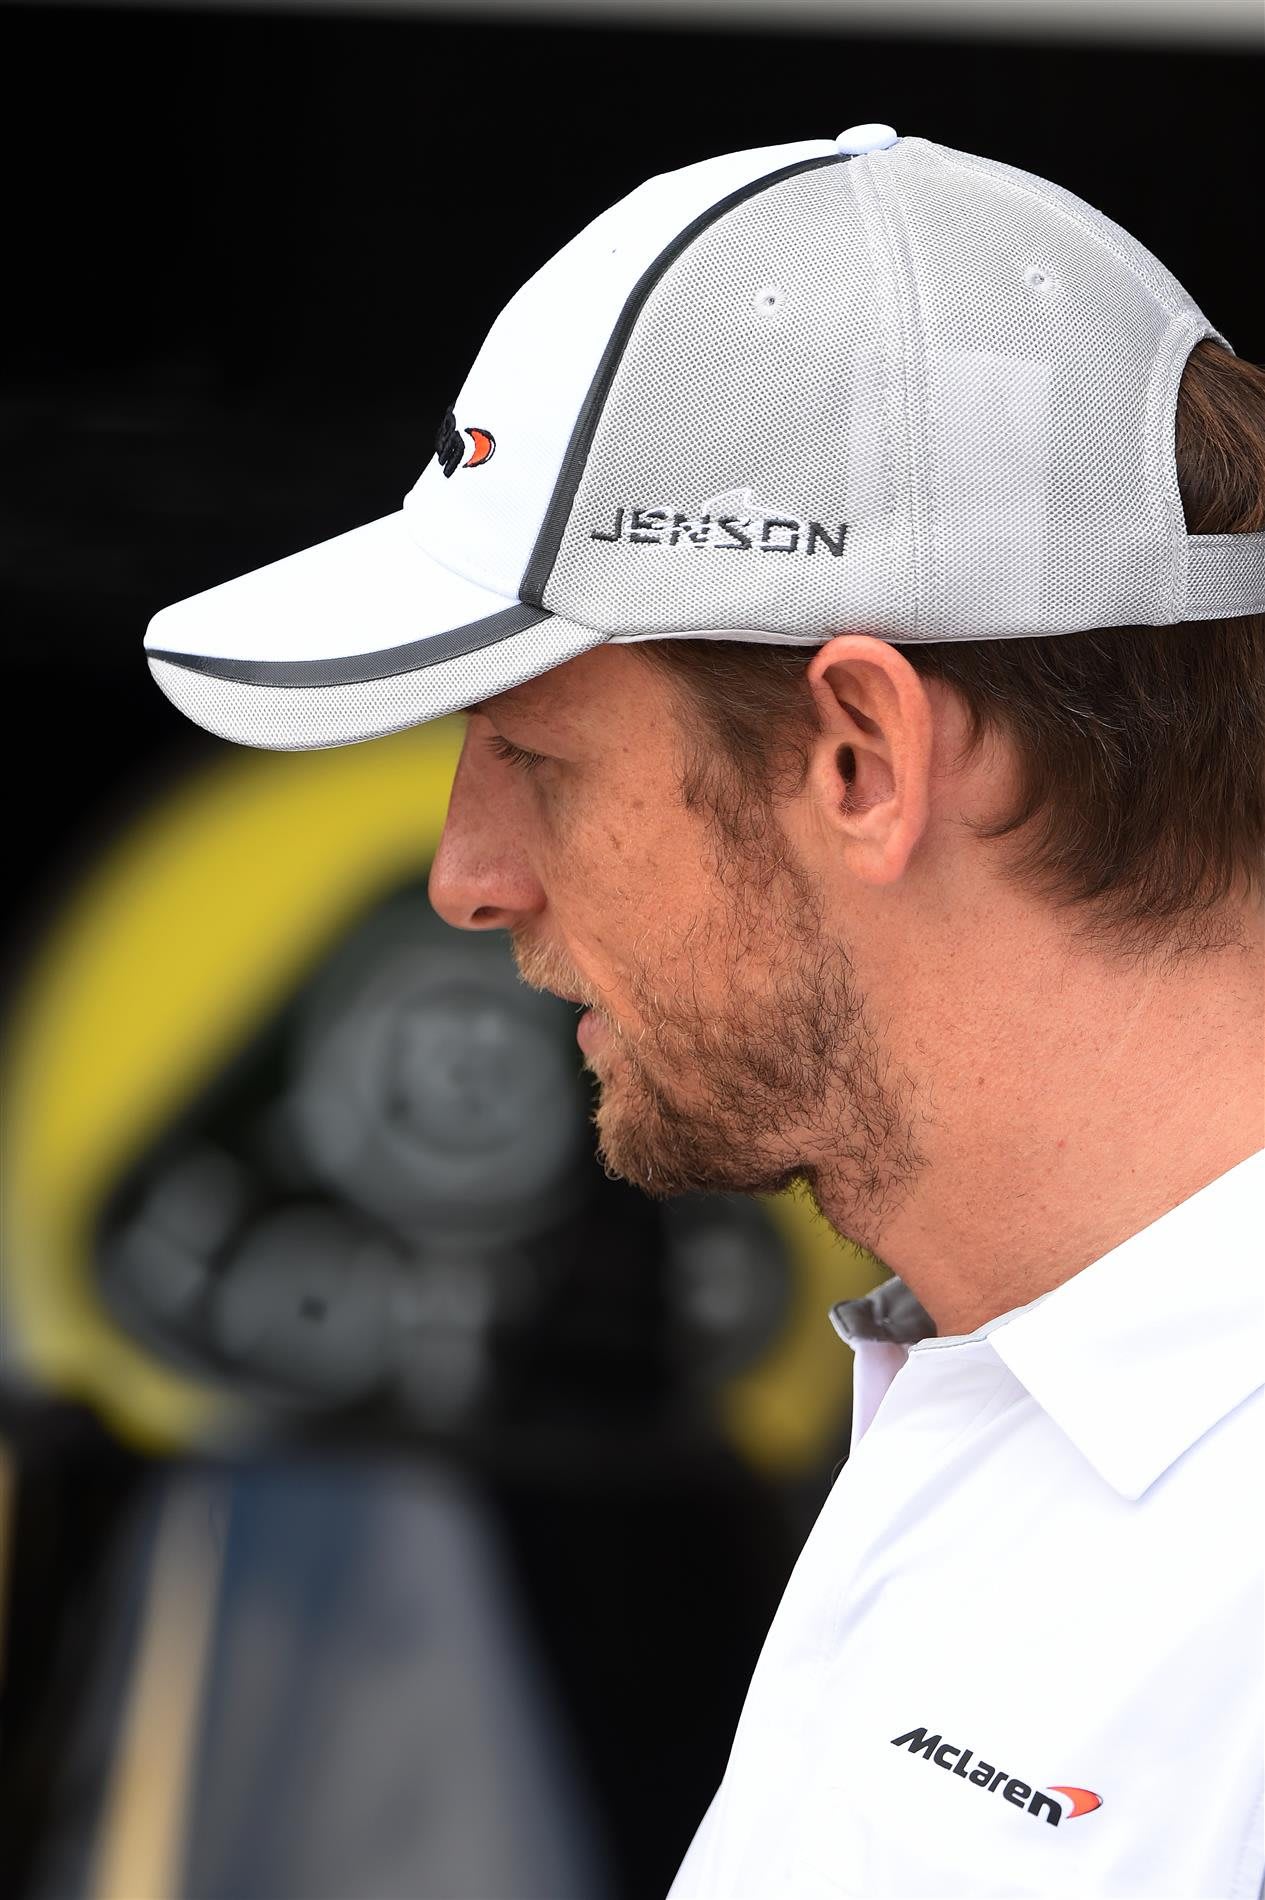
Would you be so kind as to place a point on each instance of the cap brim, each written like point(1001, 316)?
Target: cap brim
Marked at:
point(354, 638)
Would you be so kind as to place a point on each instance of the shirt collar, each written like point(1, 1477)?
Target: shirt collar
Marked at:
point(1139, 1354)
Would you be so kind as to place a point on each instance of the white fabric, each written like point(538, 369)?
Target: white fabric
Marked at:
point(866, 138)
point(1045, 1549)
point(530, 379)
point(361, 592)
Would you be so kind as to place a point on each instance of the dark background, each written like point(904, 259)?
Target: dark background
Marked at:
point(249, 259)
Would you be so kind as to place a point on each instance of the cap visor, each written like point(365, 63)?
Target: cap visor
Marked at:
point(356, 637)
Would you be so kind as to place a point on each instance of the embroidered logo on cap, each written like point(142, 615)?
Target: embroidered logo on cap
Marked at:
point(732, 522)
point(935, 1749)
point(450, 445)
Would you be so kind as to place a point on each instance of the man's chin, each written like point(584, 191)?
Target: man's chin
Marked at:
point(665, 1162)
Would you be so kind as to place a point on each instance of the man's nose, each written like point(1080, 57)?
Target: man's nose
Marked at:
point(481, 876)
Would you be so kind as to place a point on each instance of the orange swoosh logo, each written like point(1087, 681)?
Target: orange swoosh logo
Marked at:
point(1083, 1800)
point(484, 446)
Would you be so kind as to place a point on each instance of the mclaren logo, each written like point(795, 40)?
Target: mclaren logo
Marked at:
point(731, 522)
point(1034, 1801)
point(450, 445)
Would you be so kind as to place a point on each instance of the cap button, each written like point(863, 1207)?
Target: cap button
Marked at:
point(866, 138)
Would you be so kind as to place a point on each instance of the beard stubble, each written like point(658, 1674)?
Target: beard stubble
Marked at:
point(773, 1076)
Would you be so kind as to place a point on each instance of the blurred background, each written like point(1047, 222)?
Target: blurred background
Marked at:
point(390, 1504)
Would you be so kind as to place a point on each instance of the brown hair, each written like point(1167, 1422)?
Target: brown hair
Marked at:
point(1140, 751)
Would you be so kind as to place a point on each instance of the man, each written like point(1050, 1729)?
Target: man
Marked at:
point(912, 850)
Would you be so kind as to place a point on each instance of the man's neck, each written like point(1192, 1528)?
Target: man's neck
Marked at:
point(1075, 1110)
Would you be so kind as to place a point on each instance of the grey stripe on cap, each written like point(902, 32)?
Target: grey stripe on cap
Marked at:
point(352, 669)
point(549, 540)
point(301, 718)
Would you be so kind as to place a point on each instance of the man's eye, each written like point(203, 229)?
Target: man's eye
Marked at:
point(505, 749)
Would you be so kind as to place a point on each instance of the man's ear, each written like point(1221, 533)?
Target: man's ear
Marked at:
point(870, 773)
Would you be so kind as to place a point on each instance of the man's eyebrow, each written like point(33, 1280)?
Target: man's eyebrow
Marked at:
point(493, 708)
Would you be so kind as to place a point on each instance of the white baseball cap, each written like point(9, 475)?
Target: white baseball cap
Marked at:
point(866, 384)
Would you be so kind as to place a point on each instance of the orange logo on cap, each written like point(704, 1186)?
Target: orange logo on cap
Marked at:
point(484, 447)
point(1083, 1800)
point(450, 445)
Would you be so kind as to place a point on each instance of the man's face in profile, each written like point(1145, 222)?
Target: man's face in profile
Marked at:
point(728, 1038)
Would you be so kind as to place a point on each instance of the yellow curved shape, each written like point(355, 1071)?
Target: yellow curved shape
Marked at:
point(182, 940)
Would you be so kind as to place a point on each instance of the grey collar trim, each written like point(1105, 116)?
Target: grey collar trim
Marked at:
point(890, 1313)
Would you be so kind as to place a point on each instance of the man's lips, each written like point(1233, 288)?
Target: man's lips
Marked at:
point(591, 1031)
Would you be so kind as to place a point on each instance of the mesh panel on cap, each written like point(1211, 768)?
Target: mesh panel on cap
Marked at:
point(305, 718)
point(757, 364)
point(970, 368)
point(1042, 391)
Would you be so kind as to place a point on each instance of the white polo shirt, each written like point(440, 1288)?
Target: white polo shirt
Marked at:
point(1021, 1651)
